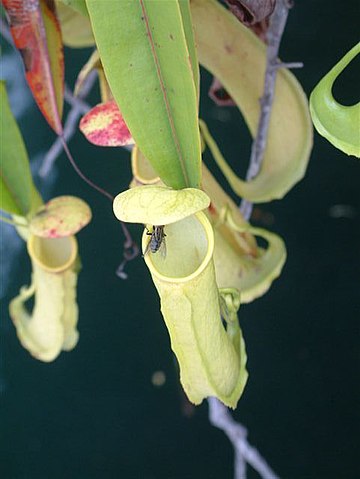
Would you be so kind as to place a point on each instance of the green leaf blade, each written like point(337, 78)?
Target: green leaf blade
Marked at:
point(190, 40)
point(339, 124)
point(143, 49)
point(77, 5)
point(15, 176)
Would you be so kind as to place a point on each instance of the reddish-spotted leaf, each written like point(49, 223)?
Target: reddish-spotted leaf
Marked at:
point(250, 12)
point(37, 36)
point(219, 95)
point(260, 28)
point(104, 125)
point(60, 217)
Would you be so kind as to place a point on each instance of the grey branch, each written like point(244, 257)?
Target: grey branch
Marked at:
point(289, 65)
point(78, 108)
point(220, 417)
point(78, 101)
point(276, 28)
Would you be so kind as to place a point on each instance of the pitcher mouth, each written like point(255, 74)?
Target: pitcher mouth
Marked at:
point(189, 245)
point(53, 254)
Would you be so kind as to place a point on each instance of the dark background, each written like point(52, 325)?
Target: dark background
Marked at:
point(95, 413)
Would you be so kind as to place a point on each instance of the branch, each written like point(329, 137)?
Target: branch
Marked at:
point(220, 417)
point(276, 28)
point(78, 108)
point(130, 252)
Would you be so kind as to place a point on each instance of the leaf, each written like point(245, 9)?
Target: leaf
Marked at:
point(16, 183)
point(144, 53)
point(158, 205)
point(77, 5)
point(60, 217)
point(250, 12)
point(104, 125)
point(75, 27)
point(143, 172)
point(219, 95)
point(339, 124)
point(239, 262)
point(261, 28)
point(252, 276)
point(237, 58)
point(37, 36)
point(190, 41)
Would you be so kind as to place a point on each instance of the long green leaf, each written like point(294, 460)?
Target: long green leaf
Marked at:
point(143, 49)
point(190, 40)
point(338, 123)
point(78, 5)
point(15, 177)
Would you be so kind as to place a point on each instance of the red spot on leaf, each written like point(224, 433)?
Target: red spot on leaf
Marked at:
point(53, 233)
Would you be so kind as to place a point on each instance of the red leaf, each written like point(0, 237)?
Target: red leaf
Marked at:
point(260, 29)
point(37, 36)
point(219, 95)
point(251, 11)
point(104, 125)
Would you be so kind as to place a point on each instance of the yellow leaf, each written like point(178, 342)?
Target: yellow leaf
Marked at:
point(240, 263)
point(238, 58)
point(75, 28)
point(60, 217)
point(158, 205)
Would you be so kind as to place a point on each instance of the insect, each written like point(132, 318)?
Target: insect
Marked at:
point(157, 239)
